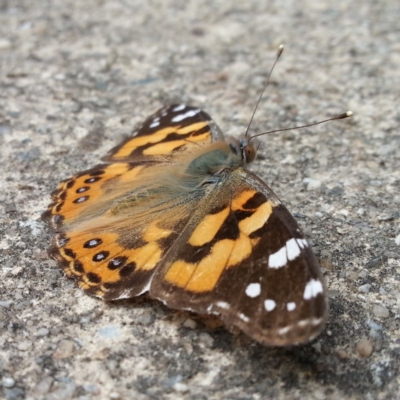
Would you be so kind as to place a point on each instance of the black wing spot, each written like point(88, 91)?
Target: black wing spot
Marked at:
point(81, 199)
point(92, 180)
point(117, 262)
point(82, 189)
point(102, 255)
point(63, 196)
point(93, 278)
point(78, 267)
point(59, 206)
point(70, 184)
point(69, 253)
point(128, 269)
point(92, 243)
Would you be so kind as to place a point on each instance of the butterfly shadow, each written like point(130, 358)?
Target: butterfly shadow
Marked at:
point(327, 361)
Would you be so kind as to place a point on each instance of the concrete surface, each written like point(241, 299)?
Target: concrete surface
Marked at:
point(76, 76)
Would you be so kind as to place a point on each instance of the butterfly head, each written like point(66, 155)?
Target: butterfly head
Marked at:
point(245, 150)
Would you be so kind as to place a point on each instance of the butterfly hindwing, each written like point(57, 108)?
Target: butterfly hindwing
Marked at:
point(252, 265)
point(116, 259)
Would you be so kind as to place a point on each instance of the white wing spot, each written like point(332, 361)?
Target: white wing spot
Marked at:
point(316, 321)
point(293, 249)
point(291, 306)
point(188, 114)
point(269, 304)
point(156, 122)
point(288, 252)
point(210, 309)
point(285, 330)
point(303, 323)
point(310, 321)
point(253, 290)
point(179, 108)
point(313, 288)
point(222, 304)
point(278, 259)
point(243, 317)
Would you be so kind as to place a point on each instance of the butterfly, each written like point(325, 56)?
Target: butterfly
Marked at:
point(174, 212)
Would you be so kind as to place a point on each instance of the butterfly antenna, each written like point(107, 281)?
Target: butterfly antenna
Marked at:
point(280, 51)
point(340, 116)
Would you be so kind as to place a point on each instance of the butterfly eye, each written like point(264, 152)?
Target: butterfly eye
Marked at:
point(250, 153)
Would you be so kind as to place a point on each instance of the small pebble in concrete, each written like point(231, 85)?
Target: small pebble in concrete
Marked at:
point(364, 288)
point(42, 332)
point(380, 311)
point(181, 387)
point(5, 44)
point(8, 382)
point(206, 339)
point(364, 348)
point(43, 386)
point(189, 323)
point(312, 184)
point(24, 346)
point(65, 349)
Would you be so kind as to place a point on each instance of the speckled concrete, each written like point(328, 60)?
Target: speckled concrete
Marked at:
point(76, 76)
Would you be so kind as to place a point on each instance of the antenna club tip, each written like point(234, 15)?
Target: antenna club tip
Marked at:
point(281, 47)
point(349, 113)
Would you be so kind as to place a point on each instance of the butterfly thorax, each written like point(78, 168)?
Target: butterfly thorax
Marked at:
point(221, 157)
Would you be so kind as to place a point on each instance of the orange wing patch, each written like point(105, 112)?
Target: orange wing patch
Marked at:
point(208, 228)
point(246, 201)
point(165, 141)
point(224, 238)
point(102, 266)
point(79, 193)
point(171, 130)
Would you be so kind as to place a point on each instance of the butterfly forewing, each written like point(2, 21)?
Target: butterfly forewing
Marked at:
point(167, 133)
